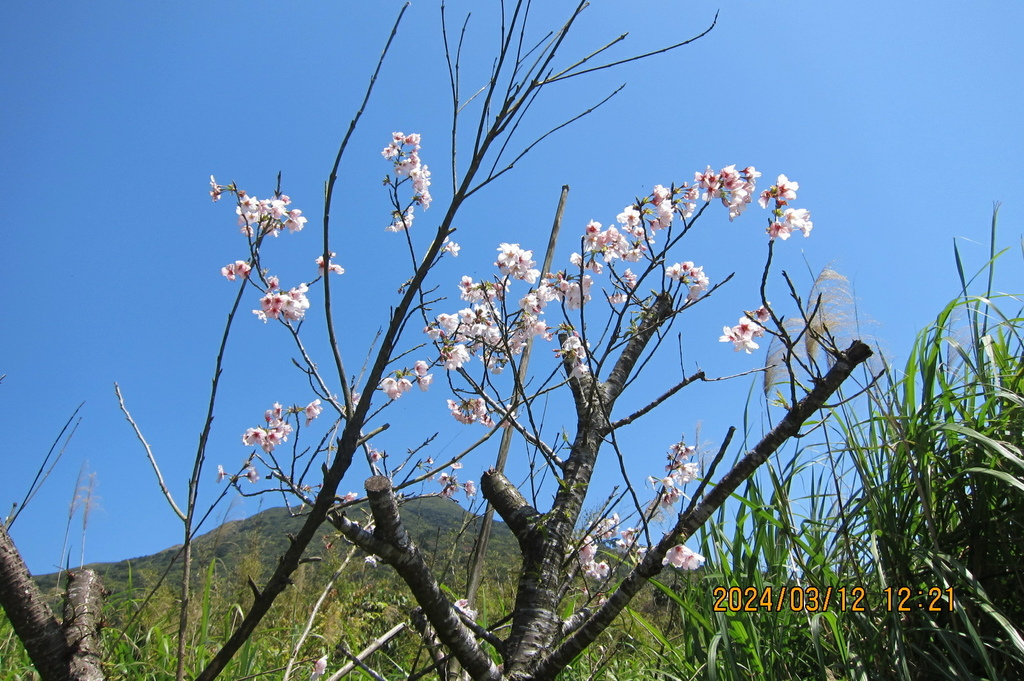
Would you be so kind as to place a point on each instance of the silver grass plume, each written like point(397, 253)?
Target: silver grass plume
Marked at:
point(829, 322)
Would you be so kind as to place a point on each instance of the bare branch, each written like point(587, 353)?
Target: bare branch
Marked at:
point(688, 522)
point(414, 571)
point(699, 376)
point(149, 454)
point(560, 76)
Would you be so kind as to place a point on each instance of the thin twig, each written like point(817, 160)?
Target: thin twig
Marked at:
point(559, 77)
point(149, 454)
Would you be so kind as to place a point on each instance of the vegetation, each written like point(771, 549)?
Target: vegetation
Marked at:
point(916, 507)
point(898, 558)
point(573, 578)
point(922, 496)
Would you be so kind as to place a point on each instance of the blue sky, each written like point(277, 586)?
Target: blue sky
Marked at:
point(901, 122)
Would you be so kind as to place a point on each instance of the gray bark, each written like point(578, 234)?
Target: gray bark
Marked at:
point(68, 652)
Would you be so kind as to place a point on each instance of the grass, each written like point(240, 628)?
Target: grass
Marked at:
point(918, 484)
point(923, 496)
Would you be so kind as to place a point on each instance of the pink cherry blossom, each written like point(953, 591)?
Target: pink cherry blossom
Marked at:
point(221, 473)
point(685, 473)
point(251, 474)
point(473, 410)
point(709, 182)
point(319, 667)
point(598, 570)
point(407, 164)
point(588, 551)
point(239, 268)
point(575, 354)
point(350, 497)
point(670, 495)
point(269, 215)
point(276, 436)
point(574, 293)
point(420, 177)
point(449, 484)
point(395, 387)
point(478, 292)
point(463, 606)
point(337, 269)
point(734, 187)
point(605, 529)
point(783, 191)
point(629, 216)
point(798, 219)
point(589, 263)
point(778, 229)
point(401, 222)
point(516, 262)
point(742, 335)
point(312, 410)
point(661, 197)
point(787, 188)
point(215, 189)
point(454, 356)
point(682, 557)
point(276, 304)
point(470, 488)
point(611, 244)
point(628, 538)
point(254, 437)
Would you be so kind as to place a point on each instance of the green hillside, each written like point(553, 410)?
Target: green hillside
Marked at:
point(444, 531)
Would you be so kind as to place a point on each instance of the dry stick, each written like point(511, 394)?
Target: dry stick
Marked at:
point(149, 454)
point(476, 572)
point(316, 609)
point(359, 663)
point(369, 650)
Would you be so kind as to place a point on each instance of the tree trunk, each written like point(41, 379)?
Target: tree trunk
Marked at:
point(68, 652)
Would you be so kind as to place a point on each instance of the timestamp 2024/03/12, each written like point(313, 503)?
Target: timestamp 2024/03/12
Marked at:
point(813, 599)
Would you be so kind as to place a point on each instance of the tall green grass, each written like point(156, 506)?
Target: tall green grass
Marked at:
point(923, 491)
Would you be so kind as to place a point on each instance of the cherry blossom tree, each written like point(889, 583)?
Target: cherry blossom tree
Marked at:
point(603, 314)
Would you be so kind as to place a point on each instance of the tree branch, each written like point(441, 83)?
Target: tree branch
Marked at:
point(59, 653)
point(82, 617)
point(413, 570)
point(510, 504)
point(688, 523)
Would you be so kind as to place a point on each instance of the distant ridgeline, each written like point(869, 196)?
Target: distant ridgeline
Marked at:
point(443, 530)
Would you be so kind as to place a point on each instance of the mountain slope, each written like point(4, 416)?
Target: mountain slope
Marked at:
point(444, 531)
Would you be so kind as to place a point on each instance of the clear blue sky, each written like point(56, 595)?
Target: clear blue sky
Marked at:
point(900, 121)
